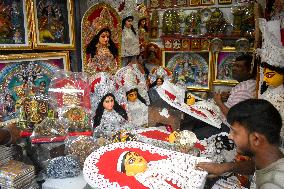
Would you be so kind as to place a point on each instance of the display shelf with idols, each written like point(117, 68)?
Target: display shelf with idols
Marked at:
point(140, 165)
point(193, 29)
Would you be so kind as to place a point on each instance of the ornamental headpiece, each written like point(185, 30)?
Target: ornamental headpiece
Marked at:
point(129, 9)
point(272, 51)
point(101, 85)
point(105, 19)
point(160, 72)
point(142, 11)
point(130, 77)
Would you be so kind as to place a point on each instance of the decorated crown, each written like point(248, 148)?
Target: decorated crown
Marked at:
point(160, 72)
point(130, 77)
point(101, 85)
point(272, 51)
point(105, 20)
point(129, 9)
point(142, 11)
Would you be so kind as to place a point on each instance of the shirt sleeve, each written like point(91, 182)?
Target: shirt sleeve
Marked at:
point(237, 96)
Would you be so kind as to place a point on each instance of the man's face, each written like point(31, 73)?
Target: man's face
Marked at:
point(241, 137)
point(239, 71)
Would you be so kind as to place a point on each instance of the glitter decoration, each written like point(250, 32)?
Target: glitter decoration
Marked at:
point(5, 154)
point(49, 127)
point(16, 175)
point(81, 147)
point(63, 167)
point(171, 22)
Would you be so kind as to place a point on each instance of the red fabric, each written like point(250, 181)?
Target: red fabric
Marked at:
point(48, 139)
point(158, 135)
point(170, 95)
point(282, 36)
point(108, 161)
point(93, 84)
point(25, 134)
point(199, 146)
point(87, 133)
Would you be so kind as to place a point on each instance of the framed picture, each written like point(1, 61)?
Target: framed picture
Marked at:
point(222, 2)
point(101, 19)
point(207, 2)
point(191, 68)
point(223, 67)
point(24, 76)
point(15, 65)
point(15, 25)
point(194, 2)
point(54, 24)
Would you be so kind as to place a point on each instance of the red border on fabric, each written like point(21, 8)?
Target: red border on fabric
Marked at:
point(155, 134)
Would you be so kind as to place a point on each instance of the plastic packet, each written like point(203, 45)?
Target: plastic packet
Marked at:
point(71, 95)
point(63, 167)
point(81, 146)
point(49, 130)
point(41, 153)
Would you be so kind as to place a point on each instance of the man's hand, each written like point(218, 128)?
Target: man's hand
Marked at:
point(214, 169)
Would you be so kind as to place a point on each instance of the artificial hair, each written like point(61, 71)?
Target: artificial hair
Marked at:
point(139, 24)
point(123, 162)
point(92, 46)
point(124, 21)
point(155, 82)
point(257, 115)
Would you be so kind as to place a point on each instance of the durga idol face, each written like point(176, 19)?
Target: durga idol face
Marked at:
point(272, 78)
point(134, 163)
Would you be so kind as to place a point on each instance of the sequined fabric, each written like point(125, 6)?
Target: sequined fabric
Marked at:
point(112, 122)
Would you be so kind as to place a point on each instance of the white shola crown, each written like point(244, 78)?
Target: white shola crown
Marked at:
point(101, 85)
point(272, 51)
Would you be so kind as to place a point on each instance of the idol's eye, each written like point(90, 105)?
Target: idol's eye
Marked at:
point(269, 74)
point(131, 160)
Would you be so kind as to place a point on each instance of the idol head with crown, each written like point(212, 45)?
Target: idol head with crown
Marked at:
point(100, 41)
point(272, 55)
